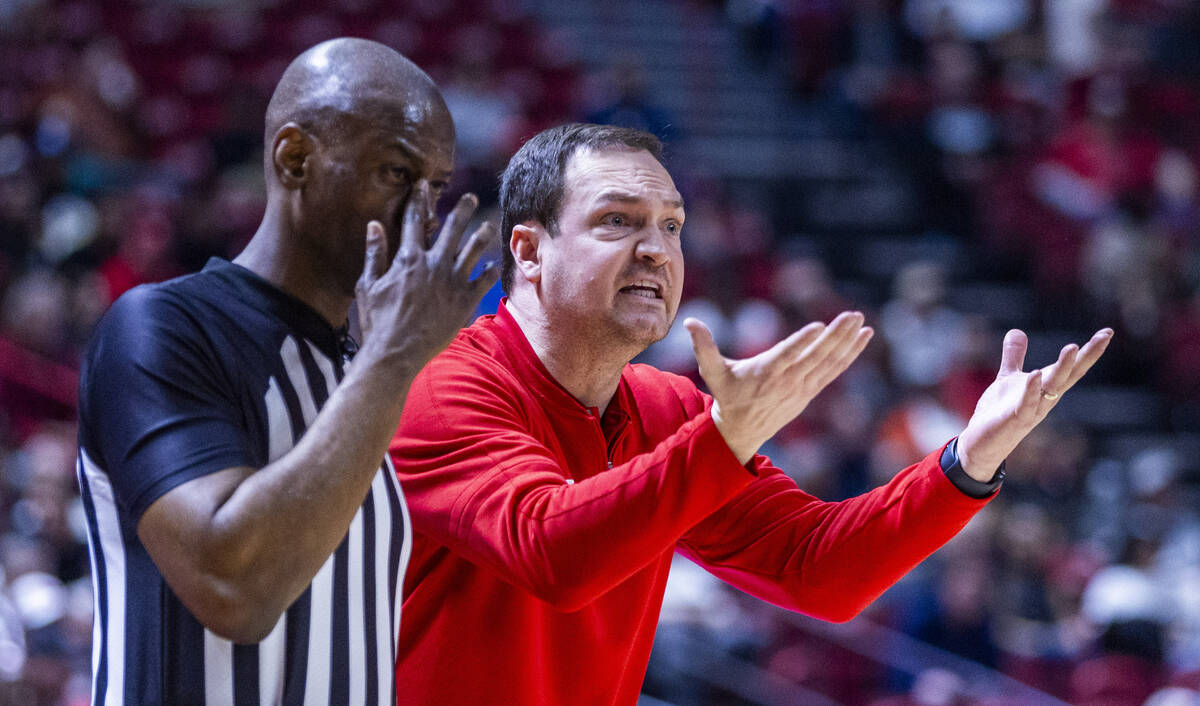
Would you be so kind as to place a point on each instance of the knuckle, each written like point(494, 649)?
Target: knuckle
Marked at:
point(408, 255)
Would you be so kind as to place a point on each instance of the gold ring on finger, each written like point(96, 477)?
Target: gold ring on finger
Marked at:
point(1049, 395)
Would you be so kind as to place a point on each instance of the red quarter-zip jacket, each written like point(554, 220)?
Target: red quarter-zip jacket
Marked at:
point(543, 533)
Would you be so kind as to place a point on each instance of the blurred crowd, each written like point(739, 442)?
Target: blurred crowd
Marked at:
point(1057, 140)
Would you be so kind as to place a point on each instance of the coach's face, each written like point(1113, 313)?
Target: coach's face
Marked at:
point(615, 266)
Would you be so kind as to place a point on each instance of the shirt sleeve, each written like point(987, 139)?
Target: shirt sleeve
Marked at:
point(155, 409)
point(478, 482)
point(829, 559)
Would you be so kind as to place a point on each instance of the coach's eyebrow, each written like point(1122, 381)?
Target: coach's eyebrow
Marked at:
point(627, 197)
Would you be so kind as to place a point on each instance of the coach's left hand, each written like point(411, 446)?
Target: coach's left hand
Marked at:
point(1017, 401)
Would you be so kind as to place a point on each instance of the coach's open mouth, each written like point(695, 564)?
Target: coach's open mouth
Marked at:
point(646, 289)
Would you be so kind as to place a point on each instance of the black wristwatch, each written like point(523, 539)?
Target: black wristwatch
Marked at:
point(952, 467)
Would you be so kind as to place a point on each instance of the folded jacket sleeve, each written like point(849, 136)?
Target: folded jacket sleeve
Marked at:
point(478, 481)
point(829, 559)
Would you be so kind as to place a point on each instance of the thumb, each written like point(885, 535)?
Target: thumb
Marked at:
point(1012, 356)
point(708, 357)
point(375, 263)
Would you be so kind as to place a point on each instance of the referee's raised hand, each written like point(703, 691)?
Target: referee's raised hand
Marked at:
point(411, 307)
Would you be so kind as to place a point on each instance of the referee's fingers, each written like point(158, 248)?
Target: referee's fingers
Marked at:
point(480, 241)
point(375, 263)
point(412, 230)
point(446, 246)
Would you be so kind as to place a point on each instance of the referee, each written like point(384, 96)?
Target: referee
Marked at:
point(247, 534)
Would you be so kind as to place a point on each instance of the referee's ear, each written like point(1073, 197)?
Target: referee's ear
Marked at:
point(524, 246)
point(289, 155)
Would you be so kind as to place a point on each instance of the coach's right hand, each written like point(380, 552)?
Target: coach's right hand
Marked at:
point(755, 397)
point(411, 308)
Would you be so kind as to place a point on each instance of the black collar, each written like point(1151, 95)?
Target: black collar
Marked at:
point(299, 316)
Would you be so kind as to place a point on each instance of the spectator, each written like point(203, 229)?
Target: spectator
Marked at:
point(922, 334)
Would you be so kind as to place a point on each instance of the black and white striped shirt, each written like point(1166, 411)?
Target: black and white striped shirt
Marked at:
point(206, 372)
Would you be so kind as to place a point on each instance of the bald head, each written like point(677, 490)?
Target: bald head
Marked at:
point(342, 82)
point(353, 131)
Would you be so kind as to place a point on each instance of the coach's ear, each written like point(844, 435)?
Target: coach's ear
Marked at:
point(523, 244)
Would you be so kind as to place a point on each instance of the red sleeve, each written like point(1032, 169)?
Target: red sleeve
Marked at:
point(829, 560)
point(477, 481)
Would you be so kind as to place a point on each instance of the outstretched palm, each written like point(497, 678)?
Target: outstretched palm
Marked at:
point(753, 398)
point(1018, 401)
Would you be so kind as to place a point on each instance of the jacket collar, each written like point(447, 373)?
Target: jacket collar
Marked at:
point(525, 364)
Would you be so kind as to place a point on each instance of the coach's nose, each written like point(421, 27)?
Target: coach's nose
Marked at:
point(652, 247)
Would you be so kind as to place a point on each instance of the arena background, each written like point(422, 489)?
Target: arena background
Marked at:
point(951, 167)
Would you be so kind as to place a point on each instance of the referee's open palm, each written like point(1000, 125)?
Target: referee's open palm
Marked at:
point(411, 308)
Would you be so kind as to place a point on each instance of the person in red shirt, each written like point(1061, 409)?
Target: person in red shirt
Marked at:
point(550, 481)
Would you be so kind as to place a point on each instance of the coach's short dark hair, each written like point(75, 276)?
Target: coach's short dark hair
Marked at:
point(531, 187)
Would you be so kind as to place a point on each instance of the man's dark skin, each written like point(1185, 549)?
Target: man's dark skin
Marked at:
point(358, 141)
